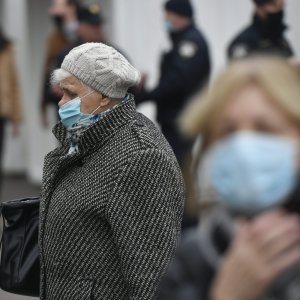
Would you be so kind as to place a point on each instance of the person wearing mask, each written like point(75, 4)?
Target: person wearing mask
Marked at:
point(112, 194)
point(90, 29)
point(184, 69)
point(247, 246)
point(10, 103)
point(63, 14)
point(266, 33)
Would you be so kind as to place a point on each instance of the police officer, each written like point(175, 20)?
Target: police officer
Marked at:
point(90, 29)
point(64, 15)
point(184, 69)
point(266, 33)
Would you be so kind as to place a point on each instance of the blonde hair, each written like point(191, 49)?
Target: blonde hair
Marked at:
point(275, 76)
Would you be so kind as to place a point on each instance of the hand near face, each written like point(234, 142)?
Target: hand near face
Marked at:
point(262, 249)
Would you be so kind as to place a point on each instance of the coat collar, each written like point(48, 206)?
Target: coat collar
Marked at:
point(98, 132)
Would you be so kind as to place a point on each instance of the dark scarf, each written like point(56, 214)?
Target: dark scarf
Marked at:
point(272, 27)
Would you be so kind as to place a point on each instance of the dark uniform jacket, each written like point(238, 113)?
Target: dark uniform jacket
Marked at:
point(183, 70)
point(259, 39)
point(110, 214)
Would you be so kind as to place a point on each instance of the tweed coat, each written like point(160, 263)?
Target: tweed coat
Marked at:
point(110, 214)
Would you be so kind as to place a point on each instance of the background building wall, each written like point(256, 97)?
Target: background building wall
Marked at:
point(137, 28)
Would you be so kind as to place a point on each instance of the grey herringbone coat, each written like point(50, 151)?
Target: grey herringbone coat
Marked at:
point(110, 215)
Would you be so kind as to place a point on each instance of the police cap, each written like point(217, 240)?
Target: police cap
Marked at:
point(90, 14)
point(180, 7)
point(261, 2)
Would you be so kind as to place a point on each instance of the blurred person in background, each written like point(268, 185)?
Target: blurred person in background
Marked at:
point(64, 16)
point(90, 29)
point(266, 33)
point(247, 246)
point(112, 195)
point(184, 70)
point(10, 103)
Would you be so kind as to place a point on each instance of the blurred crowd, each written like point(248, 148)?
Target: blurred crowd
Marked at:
point(236, 138)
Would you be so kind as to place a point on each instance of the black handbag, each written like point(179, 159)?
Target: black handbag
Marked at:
point(19, 265)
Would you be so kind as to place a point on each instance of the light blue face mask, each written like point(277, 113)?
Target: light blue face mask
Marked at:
point(253, 172)
point(169, 26)
point(70, 113)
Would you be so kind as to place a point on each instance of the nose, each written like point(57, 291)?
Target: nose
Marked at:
point(63, 101)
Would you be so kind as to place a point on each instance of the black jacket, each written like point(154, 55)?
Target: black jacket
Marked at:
point(184, 69)
point(259, 39)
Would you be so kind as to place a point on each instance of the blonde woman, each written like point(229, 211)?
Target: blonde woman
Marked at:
point(247, 246)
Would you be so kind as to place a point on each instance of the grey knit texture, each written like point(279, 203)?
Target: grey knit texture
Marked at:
point(102, 68)
point(110, 215)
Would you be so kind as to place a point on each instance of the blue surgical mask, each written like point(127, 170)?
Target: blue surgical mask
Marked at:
point(70, 31)
point(70, 113)
point(253, 172)
point(169, 26)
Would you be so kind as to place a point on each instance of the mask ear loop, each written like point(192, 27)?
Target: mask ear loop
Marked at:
point(87, 118)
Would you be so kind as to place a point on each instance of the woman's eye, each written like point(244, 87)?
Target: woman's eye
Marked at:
point(225, 131)
point(267, 128)
point(71, 95)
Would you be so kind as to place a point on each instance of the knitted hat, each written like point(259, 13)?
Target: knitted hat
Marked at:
point(180, 7)
point(260, 2)
point(102, 68)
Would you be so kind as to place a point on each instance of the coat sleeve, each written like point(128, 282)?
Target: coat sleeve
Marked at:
point(15, 113)
point(145, 215)
point(188, 69)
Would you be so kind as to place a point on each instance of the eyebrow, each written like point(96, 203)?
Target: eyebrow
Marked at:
point(67, 88)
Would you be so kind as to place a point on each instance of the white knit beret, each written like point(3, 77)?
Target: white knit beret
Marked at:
point(102, 68)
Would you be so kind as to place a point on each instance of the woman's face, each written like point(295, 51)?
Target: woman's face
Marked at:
point(250, 109)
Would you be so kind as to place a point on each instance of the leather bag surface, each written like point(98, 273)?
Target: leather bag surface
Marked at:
point(19, 265)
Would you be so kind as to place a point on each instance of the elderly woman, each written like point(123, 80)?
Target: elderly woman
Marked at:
point(248, 244)
point(112, 195)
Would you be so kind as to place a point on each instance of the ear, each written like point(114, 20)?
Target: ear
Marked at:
point(105, 101)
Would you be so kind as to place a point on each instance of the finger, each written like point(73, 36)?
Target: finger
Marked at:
point(283, 244)
point(268, 217)
point(285, 228)
point(286, 260)
point(271, 227)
